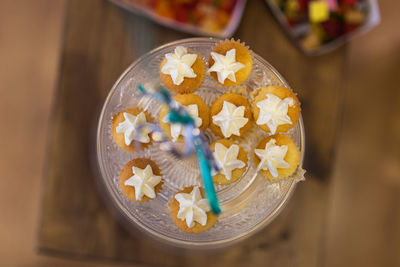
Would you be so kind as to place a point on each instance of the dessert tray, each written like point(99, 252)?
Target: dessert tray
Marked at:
point(247, 204)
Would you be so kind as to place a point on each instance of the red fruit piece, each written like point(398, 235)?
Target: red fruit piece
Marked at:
point(181, 14)
point(332, 28)
point(350, 27)
point(349, 2)
point(303, 4)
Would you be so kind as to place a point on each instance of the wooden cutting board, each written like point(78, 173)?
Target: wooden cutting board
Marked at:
point(100, 41)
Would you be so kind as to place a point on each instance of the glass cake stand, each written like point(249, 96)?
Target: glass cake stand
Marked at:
point(247, 205)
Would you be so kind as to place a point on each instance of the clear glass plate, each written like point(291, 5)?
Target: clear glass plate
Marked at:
point(247, 205)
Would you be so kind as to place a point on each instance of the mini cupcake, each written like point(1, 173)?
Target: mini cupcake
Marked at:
point(231, 116)
point(230, 62)
point(231, 159)
point(181, 71)
point(124, 126)
point(276, 109)
point(190, 210)
point(196, 108)
point(277, 157)
point(140, 180)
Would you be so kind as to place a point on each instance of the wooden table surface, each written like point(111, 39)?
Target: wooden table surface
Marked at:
point(100, 41)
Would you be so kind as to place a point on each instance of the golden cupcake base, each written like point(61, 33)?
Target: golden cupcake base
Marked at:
point(126, 173)
point(292, 157)
point(237, 100)
point(281, 92)
point(236, 173)
point(189, 85)
point(243, 56)
point(181, 224)
point(119, 137)
point(186, 100)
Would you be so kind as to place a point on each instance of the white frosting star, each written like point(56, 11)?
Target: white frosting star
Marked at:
point(178, 129)
point(192, 207)
point(227, 160)
point(230, 119)
point(144, 182)
point(129, 125)
point(272, 157)
point(179, 65)
point(225, 66)
point(273, 111)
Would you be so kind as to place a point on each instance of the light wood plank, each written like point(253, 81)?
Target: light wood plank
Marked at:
point(364, 219)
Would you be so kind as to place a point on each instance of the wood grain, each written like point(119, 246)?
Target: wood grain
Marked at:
point(100, 42)
point(364, 214)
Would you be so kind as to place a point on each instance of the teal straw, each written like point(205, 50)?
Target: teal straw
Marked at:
point(205, 170)
point(204, 165)
point(175, 117)
point(208, 183)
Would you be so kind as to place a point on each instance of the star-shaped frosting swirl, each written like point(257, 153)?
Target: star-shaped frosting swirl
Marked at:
point(129, 126)
point(227, 159)
point(179, 65)
point(177, 129)
point(144, 182)
point(272, 157)
point(225, 66)
point(274, 111)
point(230, 119)
point(192, 207)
